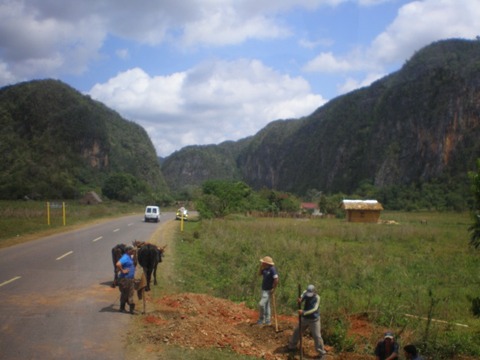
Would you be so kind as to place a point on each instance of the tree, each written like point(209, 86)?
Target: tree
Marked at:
point(223, 197)
point(122, 187)
point(475, 227)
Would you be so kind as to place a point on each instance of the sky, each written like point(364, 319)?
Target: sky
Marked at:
point(196, 72)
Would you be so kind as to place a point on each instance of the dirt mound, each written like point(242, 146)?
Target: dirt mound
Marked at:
point(201, 321)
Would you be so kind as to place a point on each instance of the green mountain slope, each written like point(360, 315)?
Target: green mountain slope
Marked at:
point(56, 142)
point(420, 124)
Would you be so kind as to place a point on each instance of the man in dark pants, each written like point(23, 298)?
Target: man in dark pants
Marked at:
point(126, 284)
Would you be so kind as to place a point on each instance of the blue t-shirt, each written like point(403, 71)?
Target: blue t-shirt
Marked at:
point(127, 263)
point(269, 274)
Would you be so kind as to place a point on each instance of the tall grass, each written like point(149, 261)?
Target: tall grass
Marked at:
point(399, 274)
point(19, 219)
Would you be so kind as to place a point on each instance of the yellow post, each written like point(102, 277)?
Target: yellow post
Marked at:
point(64, 214)
point(48, 213)
point(181, 223)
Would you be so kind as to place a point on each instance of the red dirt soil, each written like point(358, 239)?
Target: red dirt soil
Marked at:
point(201, 321)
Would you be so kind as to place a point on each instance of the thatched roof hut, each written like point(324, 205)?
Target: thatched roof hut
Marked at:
point(362, 210)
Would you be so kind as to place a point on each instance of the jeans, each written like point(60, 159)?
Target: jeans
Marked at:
point(264, 306)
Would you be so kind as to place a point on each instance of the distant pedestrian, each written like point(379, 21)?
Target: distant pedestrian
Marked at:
point(411, 353)
point(387, 349)
point(126, 284)
point(269, 283)
point(310, 318)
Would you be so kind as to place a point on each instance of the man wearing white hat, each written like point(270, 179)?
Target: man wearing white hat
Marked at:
point(269, 283)
point(388, 348)
point(310, 319)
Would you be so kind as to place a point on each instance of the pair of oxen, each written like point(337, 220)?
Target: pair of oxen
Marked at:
point(146, 254)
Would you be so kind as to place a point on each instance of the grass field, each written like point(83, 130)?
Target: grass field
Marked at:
point(416, 275)
point(23, 220)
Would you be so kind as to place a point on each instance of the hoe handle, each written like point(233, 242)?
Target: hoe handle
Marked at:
point(300, 321)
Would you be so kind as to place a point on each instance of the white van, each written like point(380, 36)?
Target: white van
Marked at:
point(152, 213)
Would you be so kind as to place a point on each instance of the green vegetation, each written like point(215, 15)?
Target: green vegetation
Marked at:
point(409, 140)
point(420, 265)
point(19, 219)
point(57, 144)
point(220, 198)
point(475, 227)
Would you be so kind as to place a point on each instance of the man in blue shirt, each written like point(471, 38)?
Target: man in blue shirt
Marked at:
point(269, 283)
point(310, 319)
point(126, 284)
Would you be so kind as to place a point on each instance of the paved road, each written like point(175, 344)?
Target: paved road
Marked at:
point(55, 296)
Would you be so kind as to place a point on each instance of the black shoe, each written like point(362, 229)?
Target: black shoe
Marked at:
point(132, 309)
point(122, 307)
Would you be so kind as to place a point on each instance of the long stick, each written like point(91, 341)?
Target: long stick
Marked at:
point(144, 302)
point(300, 322)
point(275, 311)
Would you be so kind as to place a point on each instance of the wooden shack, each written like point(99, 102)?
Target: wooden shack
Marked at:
point(367, 211)
point(90, 198)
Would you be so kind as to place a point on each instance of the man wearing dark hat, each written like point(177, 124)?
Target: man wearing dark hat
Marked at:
point(126, 284)
point(269, 283)
point(310, 319)
point(387, 349)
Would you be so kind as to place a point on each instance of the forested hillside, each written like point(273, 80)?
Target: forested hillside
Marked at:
point(415, 127)
point(413, 132)
point(57, 143)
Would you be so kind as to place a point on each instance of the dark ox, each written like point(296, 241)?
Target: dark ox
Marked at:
point(117, 252)
point(149, 256)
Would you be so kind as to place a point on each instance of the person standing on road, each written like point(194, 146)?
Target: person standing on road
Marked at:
point(310, 319)
point(387, 349)
point(269, 283)
point(126, 285)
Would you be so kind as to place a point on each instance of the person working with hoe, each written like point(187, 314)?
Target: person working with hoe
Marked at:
point(269, 283)
point(309, 317)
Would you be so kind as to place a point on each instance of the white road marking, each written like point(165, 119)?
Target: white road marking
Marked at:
point(116, 230)
point(98, 238)
point(130, 224)
point(66, 254)
point(9, 281)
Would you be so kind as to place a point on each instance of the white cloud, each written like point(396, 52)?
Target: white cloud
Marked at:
point(421, 22)
point(351, 84)
point(216, 100)
point(312, 44)
point(210, 103)
point(40, 38)
point(417, 24)
point(135, 94)
point(33, 45)
point(122, 54)
point(327, 62)
point(225, 26)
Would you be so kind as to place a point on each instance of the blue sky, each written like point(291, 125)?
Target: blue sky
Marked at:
point(205, 71)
